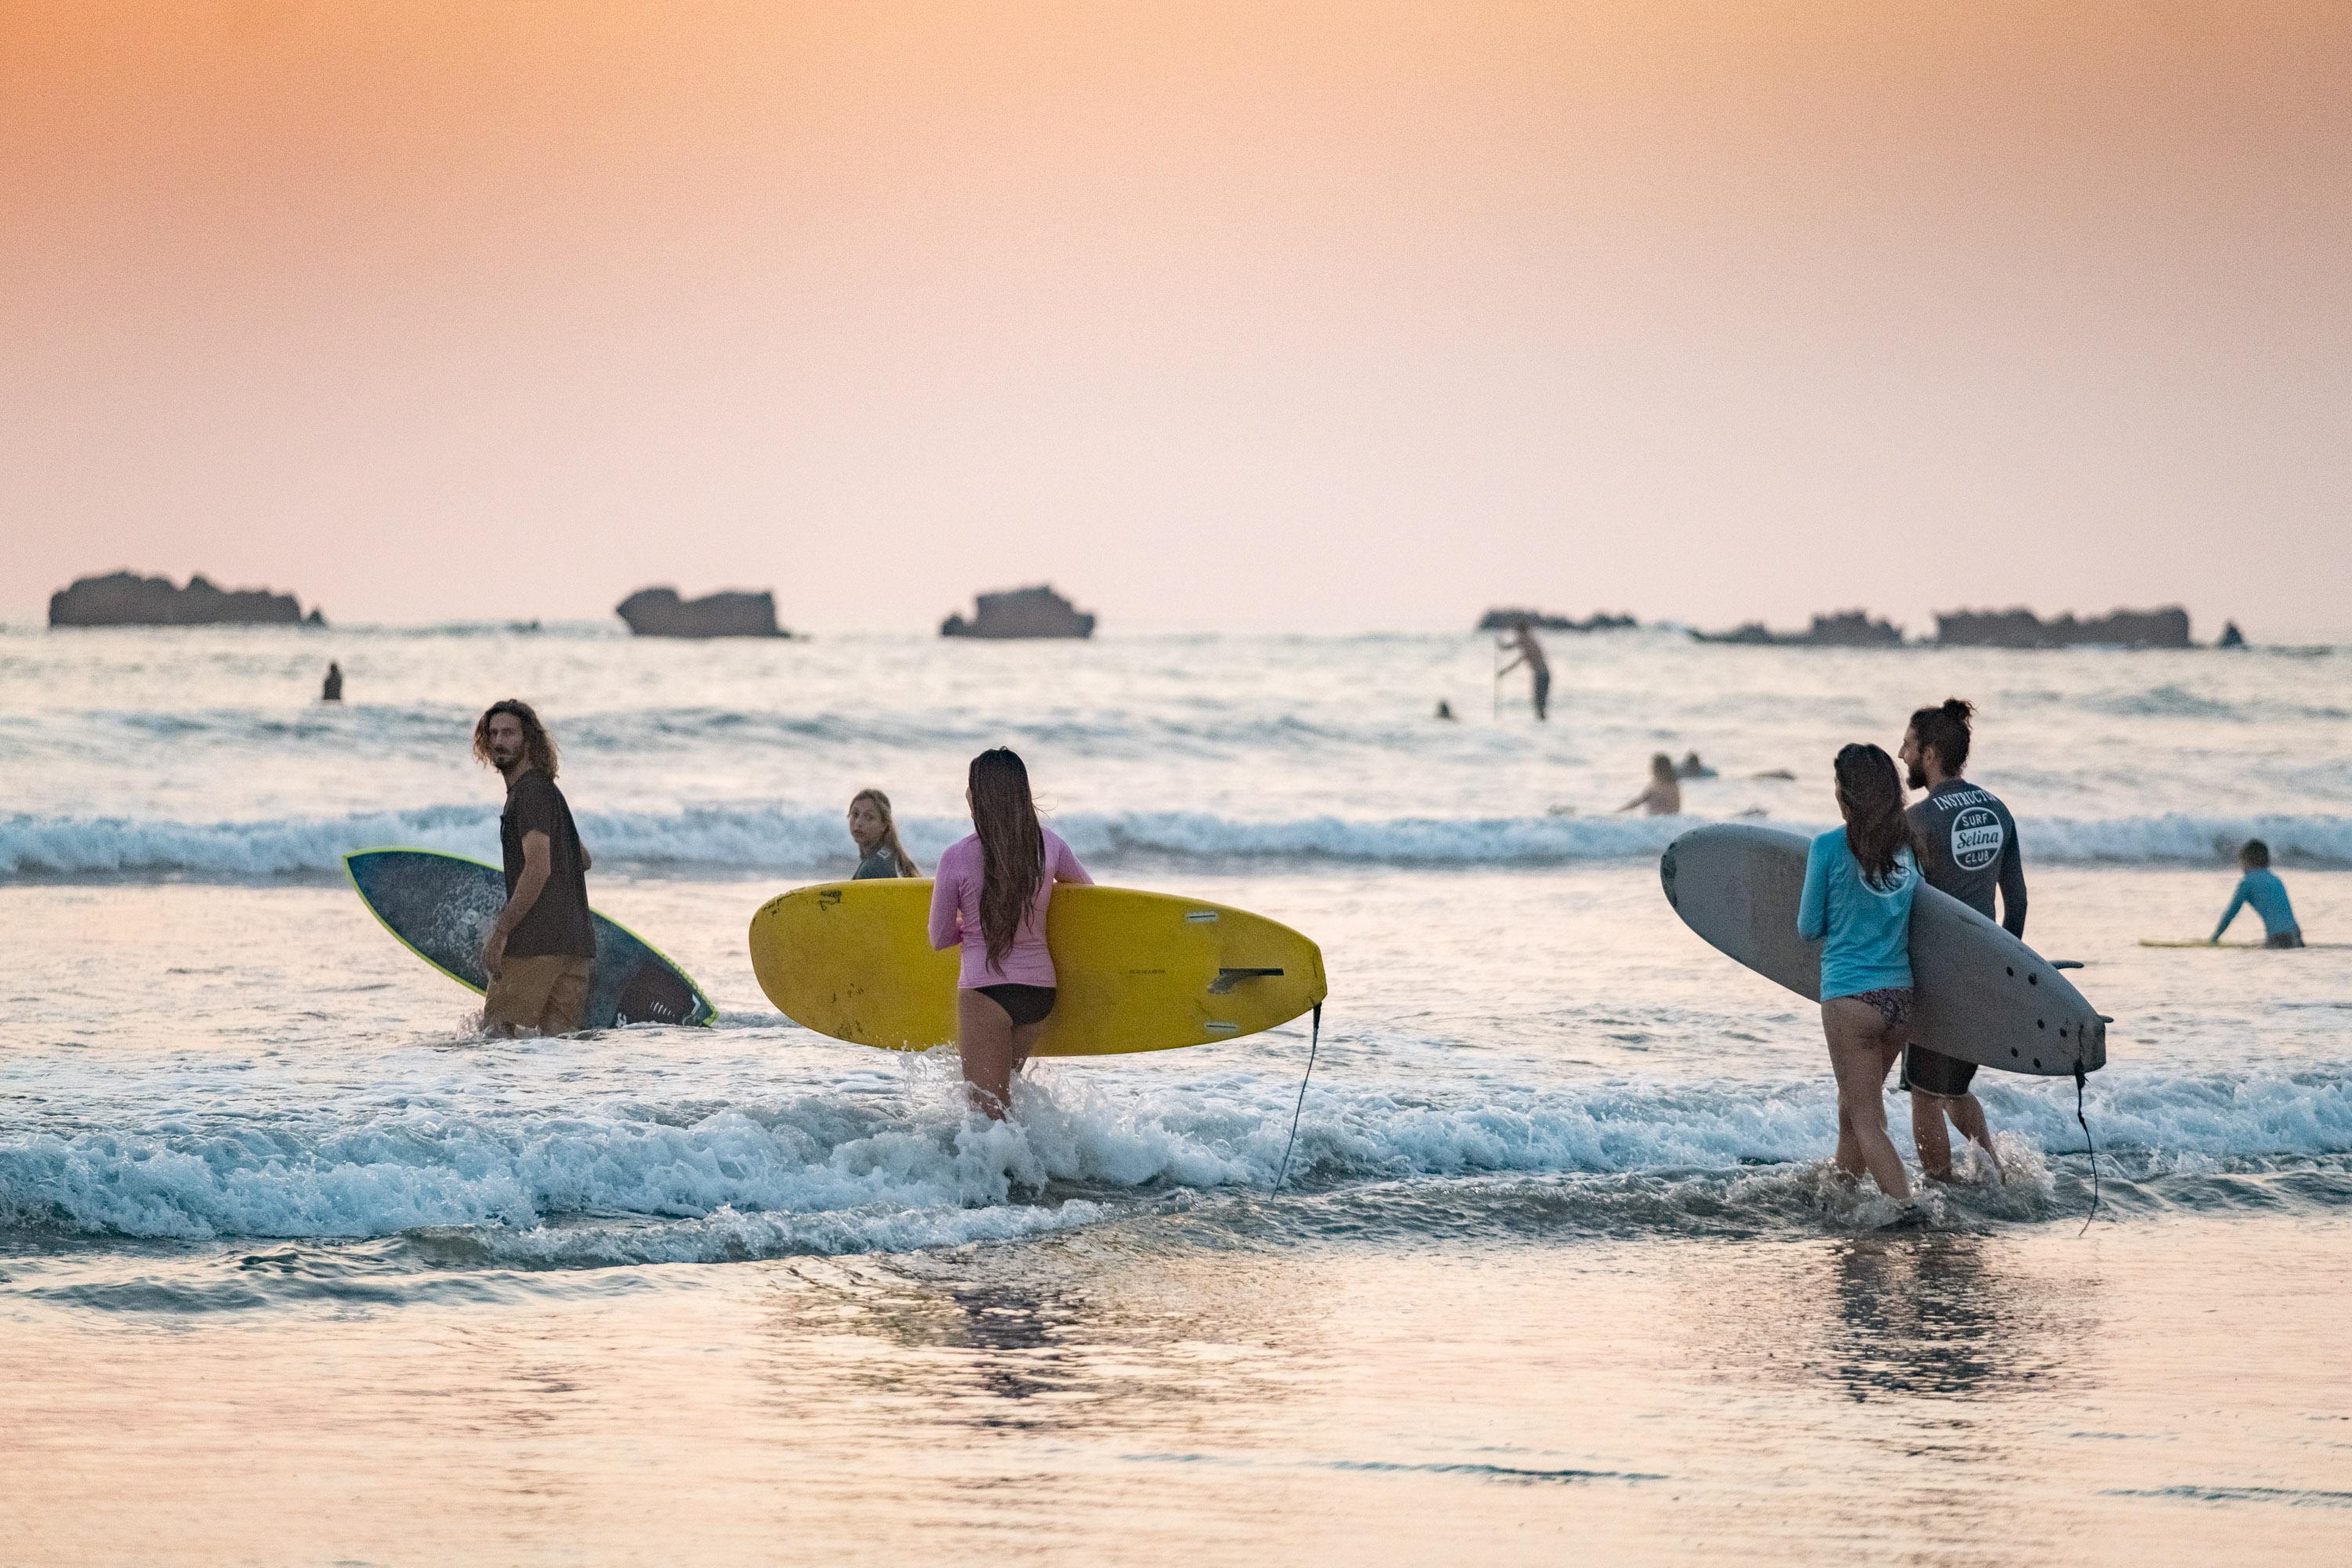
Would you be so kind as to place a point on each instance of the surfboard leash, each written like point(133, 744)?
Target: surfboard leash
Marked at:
point(1314, 1041)
point(2088, 1148)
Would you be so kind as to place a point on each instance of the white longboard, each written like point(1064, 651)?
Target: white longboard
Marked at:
point(1983, 997)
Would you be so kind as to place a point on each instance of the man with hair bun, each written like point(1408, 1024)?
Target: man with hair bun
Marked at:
point(1968, 847)
point(542, 946)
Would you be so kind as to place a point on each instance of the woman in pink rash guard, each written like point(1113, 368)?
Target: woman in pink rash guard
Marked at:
point(991, 895)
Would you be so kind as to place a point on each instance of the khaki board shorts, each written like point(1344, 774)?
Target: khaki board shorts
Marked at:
point(547, 992)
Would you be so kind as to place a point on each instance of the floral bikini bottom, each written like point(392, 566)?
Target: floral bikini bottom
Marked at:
point(1894, 1002)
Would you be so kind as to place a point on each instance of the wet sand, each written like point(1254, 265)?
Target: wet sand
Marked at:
point(1149, 1393)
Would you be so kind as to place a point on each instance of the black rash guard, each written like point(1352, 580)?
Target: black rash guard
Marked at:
point(1967, 844)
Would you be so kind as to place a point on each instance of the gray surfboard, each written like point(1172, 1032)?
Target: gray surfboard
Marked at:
point(441, 906)
point(1983, 996)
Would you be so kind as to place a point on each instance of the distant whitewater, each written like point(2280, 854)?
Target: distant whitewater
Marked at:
point(732, 840)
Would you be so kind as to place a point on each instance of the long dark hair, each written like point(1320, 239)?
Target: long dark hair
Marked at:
point(1011, 846)
point(537, 746)
point(1870, 794)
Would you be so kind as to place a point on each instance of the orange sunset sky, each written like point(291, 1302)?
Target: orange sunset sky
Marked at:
point(1263, 314)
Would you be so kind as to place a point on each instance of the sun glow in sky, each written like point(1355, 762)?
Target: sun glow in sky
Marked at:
point(1268, 314)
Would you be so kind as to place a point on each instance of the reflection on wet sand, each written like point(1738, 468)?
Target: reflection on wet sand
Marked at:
point(1948, 1315)
point(1908, 1370)
point(1082, 1336)
point(1951, 1316)
point(1135, 1394)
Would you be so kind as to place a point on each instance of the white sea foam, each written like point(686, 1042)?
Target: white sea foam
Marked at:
point(773, 839)
point(825, 1174)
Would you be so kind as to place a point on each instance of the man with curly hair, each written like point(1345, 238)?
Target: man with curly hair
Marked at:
point(541, 949)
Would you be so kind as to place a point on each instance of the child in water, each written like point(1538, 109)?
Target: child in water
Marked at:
point(876, 833)
point(1859, 882)
point(2260, 887)
point(991, 898)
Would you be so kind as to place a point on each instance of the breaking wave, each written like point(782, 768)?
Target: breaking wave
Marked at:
point(833, 1172)
point(741, 837)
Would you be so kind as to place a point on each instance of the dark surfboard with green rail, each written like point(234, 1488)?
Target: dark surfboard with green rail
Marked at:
point(441, 906)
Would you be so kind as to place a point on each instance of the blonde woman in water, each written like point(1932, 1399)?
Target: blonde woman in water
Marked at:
point(876, 833)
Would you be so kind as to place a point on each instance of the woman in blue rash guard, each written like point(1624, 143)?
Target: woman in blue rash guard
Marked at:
point(1859, 882)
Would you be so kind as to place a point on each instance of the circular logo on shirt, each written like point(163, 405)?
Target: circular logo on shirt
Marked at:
point(1977, 838)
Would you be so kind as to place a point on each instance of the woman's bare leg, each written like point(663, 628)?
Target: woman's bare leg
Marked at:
point(1857, 1038)
point(1024, 1040)
point(1849, 1152)
point(985, 1039)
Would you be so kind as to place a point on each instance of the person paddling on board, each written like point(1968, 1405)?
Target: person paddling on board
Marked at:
point(876, 833)
point(1859, 883)
point(1531, 654)
point(1968, 847)
point(2260, 887)
point(542, 945)
point(989, 897)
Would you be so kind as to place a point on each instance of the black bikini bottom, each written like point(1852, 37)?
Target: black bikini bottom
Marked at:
point(1025, 1005)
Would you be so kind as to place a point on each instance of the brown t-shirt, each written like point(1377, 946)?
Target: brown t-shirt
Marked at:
point(559, 921)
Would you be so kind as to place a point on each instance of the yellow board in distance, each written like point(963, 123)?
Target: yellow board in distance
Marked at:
point(1136, 971)
point(2200, 942)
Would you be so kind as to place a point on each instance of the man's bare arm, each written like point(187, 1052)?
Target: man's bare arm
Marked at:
point(528, 886)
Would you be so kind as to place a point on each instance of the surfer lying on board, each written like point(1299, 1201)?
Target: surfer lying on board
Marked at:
point(991, 895)
point(2260, 887)
point(542, 945)
point(876, 833)
point(1968, 847)
point(1859, 883)
point(1662, 796)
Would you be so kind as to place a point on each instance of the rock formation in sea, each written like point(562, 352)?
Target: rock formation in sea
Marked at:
point(127, 599)
point(1037, 612)
point(2231, 636)
point(2166, 627)
point(660, 612)
point(1847, 628)
point(1511, 620)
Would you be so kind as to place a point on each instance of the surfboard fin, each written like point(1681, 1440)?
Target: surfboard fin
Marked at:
point(1228, 978)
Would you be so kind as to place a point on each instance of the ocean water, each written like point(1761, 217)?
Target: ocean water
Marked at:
point(295, 1267)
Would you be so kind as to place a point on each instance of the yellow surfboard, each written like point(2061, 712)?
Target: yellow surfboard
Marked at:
point(1137, 972)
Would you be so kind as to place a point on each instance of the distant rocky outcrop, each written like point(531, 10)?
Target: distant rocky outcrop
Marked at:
point(2231, 636)
point(1508, 620)
point(1036, 612)
point(1847, 628)
point(660, 612)
point(2166, 627)
point(127, 599)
